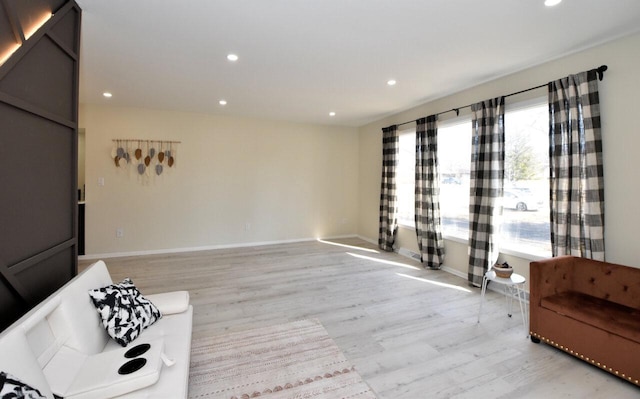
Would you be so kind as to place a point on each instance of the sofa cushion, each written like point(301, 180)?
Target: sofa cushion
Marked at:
point(609, 316)
point(124, 311)
point(75, 375)
point(170, 302)
point(17, 359)
point(75, 323)
point(12, 387)
point(175, 331)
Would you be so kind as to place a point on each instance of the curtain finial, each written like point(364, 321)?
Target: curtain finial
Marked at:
point(601, 71)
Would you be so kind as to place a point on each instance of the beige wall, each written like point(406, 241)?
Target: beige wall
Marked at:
point(287, 181)
point(621, 139)
point(81, 158)
point(293, 181)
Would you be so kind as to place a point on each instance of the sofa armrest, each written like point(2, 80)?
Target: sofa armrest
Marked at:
point(546, 278)
point(170, 302)
point(550, 277)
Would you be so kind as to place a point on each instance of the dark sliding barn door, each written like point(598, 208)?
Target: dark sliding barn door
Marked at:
point(38, 151)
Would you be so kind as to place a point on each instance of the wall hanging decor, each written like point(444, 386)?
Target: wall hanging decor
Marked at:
point(145, 157)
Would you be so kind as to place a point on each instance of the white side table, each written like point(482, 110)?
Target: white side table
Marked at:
point(512, 285)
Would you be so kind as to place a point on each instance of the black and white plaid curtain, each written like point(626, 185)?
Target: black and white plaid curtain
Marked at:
point(576, 172)
point(427, 193)
point(487, 186)
point(388, 197)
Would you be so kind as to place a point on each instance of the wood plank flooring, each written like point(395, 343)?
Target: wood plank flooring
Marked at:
point(412, 333)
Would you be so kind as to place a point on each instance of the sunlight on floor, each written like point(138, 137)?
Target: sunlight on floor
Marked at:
point(386, 262)
point(424, 280)
point(348, 246)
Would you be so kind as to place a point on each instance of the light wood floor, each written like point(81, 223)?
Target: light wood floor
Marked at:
point(411, 333)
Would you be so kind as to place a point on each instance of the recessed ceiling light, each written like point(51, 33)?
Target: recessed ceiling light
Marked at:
point(391, 82)
point(332, 113)
point(222, 102)
point(551, 3)
point(232, 57)
point(107, 94)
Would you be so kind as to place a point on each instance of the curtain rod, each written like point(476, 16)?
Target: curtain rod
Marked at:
point(146, 141)
point(600, 71)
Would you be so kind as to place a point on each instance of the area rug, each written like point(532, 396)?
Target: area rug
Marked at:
point(286, 361)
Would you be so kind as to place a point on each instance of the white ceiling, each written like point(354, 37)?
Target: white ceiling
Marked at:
point(301, 59)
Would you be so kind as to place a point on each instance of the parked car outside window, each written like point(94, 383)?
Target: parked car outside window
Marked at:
point(521, 199)
point(451, 180)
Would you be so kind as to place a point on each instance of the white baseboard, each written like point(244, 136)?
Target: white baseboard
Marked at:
point(367, 239)
point(455, 272)
point(206, 247)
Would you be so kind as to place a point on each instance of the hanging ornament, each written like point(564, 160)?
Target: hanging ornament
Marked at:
point(171, 160)
point(124, 152)
point(161, 154)
point(138, 152)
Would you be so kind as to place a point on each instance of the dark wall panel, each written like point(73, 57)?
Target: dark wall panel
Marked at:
point(30, 13)
point(11, 307)
point(38, 153)
point(65, 30)
point(7, 37)
point(35, 159)
point(42, 78)
point(39, 279)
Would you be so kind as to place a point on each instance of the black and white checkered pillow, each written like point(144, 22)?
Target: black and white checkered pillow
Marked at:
point(124, 311)
point(13, 388)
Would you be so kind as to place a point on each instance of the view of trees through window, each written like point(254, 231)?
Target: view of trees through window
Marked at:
point(525, 221)
point(405, 178)
point(454, 157)
point(525, 224)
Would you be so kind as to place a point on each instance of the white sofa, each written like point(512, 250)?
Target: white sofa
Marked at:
point(61, 347)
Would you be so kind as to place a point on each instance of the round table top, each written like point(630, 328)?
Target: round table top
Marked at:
point(514, 279)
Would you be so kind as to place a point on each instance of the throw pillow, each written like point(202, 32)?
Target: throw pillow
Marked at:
point(124, 311)
point(11, 387)
point(147, 308)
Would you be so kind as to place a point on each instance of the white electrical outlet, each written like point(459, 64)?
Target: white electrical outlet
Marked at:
point(247, 226)
point(101, 181)
point(119, 232)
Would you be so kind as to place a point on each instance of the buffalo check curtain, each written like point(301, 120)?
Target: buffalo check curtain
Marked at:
point(427, 194)
point(486, 186)
point(576, 171)
point(388, 197)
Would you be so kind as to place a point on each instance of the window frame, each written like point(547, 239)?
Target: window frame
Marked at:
point(538, 100)
point(530, 102)
point(404, 132)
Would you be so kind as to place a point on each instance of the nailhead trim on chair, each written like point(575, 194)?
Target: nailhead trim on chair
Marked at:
point(592, 361)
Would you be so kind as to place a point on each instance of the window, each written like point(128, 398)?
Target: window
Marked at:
point(405, 178)
point(454, 157)
point(525, 225)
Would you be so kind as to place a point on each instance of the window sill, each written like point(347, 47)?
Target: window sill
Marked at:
point(506, 251)
point(406, 226)
point(524, 255)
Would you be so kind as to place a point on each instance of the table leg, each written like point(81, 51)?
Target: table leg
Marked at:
point(508, 297)
point(484, 290)
point(523, 307)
